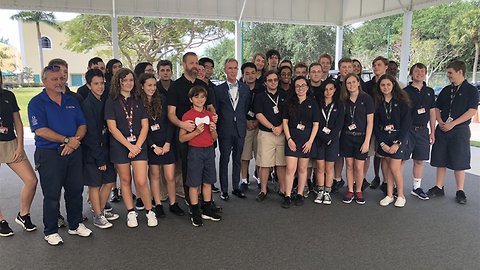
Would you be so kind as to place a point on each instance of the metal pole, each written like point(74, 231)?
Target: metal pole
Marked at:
point(114, 31)
point(338, 45)
point(405, 53)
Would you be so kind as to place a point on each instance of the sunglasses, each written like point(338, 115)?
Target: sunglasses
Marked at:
point(51, 68)
point(272, 80)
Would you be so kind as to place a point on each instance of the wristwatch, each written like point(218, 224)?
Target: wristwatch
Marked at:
point(154, 146)
point(397, 142)
point(66, 140)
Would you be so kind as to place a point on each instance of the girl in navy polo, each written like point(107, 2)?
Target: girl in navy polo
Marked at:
point(392, 124)
point(161, 149)
point(300, 125)
point(356, 133)
point(128, 126)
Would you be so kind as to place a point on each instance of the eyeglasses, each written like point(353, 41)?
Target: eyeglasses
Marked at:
point(301, 86)
point(51, 68)
point(272, 80)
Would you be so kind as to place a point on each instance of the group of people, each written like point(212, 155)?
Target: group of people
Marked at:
point(300, 124)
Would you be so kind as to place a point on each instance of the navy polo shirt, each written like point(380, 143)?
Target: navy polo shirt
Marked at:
point(356, 113)
point(264, 105)
point(466, 98)
point(252, 94)
point(115, 111)
point(64, 119)
point(307, 113)
point(335, 121)
point(420, 98)
point(178, 95)
point(8, 106)
point(400, 118)
point(370, 87)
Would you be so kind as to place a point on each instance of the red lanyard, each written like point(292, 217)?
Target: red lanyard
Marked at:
point(128, 115)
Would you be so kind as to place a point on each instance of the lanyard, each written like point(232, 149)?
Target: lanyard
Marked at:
point(453, 94)
point(388, 110)
point(327, 116)
point(274, 102)
point(234, 101)
point(352, 112)
point(128, 115)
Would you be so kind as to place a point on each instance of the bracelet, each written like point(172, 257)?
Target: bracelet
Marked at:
point(382, 144)
point(289, 138)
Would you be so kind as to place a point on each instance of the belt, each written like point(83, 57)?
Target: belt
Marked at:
point(355, 133)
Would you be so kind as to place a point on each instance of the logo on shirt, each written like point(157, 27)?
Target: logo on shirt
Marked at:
point(309, 106)
point(6, 101)
point(34, 121)
point(70, 107)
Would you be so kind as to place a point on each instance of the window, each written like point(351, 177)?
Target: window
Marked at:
point(46, 43)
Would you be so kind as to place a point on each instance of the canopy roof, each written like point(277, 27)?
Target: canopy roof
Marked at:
point(314, 12)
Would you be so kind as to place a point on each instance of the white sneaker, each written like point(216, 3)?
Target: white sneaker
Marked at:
point(327, 199)
point(110, 216)
point(151, 219)
point(400, 202)
point(81, 231)
point(132, 219)
point(386, 201)
point(319, 198)
point(54, 239)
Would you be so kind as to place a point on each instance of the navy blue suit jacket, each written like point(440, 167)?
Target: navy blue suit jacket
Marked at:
point(230, 120)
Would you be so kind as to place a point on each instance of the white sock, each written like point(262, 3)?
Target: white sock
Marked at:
point(417, 182)
point(244, 180)
point(336, 178)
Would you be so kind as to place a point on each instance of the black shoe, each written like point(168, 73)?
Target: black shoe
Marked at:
point(139, 205)
point(115, 196)
point(375, 183)
point(196, 217)
point(175, 209)
point(337, 185)
point(261, 197)
point(436, 192)
point(209, 213)
point(224, 196)
point(215, 189)
point(108, 207)
point(216, 208)
point(239, 194)
point(281, 194)
point(460, 197)
point(25, 222)
point(5, 230)
point(243, 187)
point(159, 213)
point(383, 188)
point(287, 201)
point(365, 184)
point(61, 222)
point(299, 200)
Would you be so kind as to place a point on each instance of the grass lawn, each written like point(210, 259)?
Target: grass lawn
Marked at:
point(475, 143)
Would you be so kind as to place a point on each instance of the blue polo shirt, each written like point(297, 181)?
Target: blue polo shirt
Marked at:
point(64, 119)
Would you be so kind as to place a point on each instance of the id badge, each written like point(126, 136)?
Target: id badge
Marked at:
point(389, 128)
point(301, 127)
point(3, 130)
point(449, 119)
point(352, 127)
point(251, 114)
point(132, 138)
point(275, 110)
point(421, 111)
point(326, 130)
point(155, 127)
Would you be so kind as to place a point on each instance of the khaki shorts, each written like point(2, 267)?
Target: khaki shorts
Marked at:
point(250, 145)
point(6, 152)
point(270, 150)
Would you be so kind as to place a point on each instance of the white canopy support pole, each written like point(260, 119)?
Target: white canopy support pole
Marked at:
point(238, 45)
point(114, 31)
point(405, 53)
point(338, 46)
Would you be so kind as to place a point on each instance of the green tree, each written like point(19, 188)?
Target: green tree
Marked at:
point(143, 38)
point(37, 17)
point(219, 53)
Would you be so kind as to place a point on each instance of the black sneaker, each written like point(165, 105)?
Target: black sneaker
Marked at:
point(61, 222)
point(115, 196)
point(261, 197)
point(243, 187)
point(139, 205)
point(215, 189)
point(209, 213)
point(224, 196)
point(216, 208)
point(337, 185)
point(175, 209)
point(460, 197)
point(196, 218)
point(365, 184)
point(159, 213)
point(5, 230)
point(108, 207)
point(239, 193)
point(25, 222)
point(375, 183)
point(436, 192)
point(286, 202)
point(299, 200)
point(383, 188)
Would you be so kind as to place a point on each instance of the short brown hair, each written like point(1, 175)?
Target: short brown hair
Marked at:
point(458, 65)
point(380, 58)
point(419, 66)
point(197, 90)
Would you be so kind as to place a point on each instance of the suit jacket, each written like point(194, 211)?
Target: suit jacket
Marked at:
point(230, 120)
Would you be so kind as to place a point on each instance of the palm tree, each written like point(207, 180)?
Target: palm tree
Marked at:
point(37, 17)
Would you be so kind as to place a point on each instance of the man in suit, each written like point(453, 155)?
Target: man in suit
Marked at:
point(232, 99)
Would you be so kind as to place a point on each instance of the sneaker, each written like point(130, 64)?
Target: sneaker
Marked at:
point(348, 198)
point(115, 196)
point(5, 230)
point(110, 216)
point(209, 213)
point(326, 198)
point(108, 207)
point(337, 185)
point(286, 202)
point(216, 208)
point(400, 202)
point(215, 189)
point(53, 239)
point(81, 230)
point(224, 196)
point(25, 222)
point(243, 187)
point(319, 198)
point(359, 198)
point(139, 205)
point(159, 213)
point(375, 182)
point(306, 192)
point(132, 219)
point(151, 219)
point(196, 218)
point(419, 193)
point(436, 192)
point(460, 197)
point(61, 222)
point(365, 184)
point(261, 197)
point(101, 222)
point(386, 201)
point(316, 189)
point(175, 209)
point(299, 200)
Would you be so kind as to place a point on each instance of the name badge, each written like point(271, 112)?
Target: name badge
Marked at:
point(389, 128)
point(352, 127)
point(132, 138)
point(3, 130)
point(155, 127)
point(326, 130)
point(251, 114)
point(421, 111)
point(300, 127)
point(449, 119)
point(275, 110)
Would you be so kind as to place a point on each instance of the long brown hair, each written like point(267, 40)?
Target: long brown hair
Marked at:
point(293, 103)
point(397, 92)
point(344, 94)
point(154, 107)
point(116, 84)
